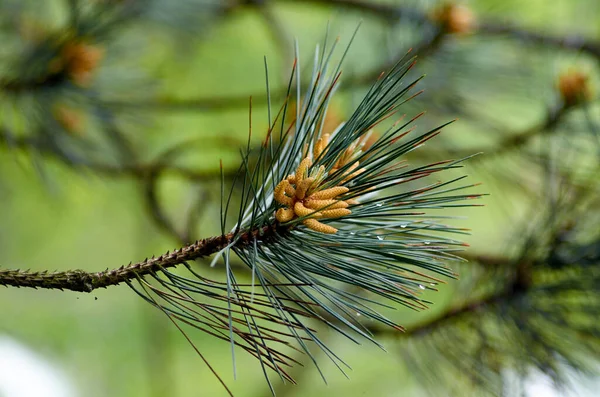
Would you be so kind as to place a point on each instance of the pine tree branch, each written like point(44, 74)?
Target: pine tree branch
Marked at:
point(139, 171)
point(511, 141)
point(428, 44)
point(571, 42)
point(393, 12)
point(488, 261)
point(154, 209)
point(453, 314)
point(513, 289)
point(389, 13)
point(82, 281)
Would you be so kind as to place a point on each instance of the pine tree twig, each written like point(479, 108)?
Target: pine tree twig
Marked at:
point(106, 169)
point(82, 281)
point(451, 315)
point(213, 104)
point(393, 12)
point(425, 47)
point(388, 12)
point(156, 212)
point(554, 116)
point(519, 282)
point(510, 141)
point(141, 170)
point(567, 42)
point(161, 219)
point(515, 288)
point(195, 213)
point(488, 260)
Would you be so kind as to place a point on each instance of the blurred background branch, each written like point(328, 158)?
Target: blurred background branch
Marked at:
point(115, 116)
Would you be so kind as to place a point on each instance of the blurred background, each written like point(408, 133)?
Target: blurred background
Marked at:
point(115, 115)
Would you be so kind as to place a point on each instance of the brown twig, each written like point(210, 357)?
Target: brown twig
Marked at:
point(389, 13)
point(427, 45)
point(155, 210)
point(518, 284)
point(161, 219)
point(394, 12)
point(509, 142)
point(82, 281)
point(567, 42)
point(111, 170)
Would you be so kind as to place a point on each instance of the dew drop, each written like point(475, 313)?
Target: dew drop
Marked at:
point(352, 233)
point(421, 286)
point(379, 204)
point(358, 314)
point(427, 243)
point(403, 226)
point(380, 238)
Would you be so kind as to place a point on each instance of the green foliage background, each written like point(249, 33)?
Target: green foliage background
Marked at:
point(114, 344)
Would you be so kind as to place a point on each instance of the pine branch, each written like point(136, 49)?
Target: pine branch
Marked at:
point(426, 46)
point(539, 315)
point(131, 170)
point(518, 283)
point(511, 291)
point(82, 281)
point(320, 210)
point(390, 13)
point(572, 42)
point(394, 12)
point(387, 12)
point(514, 140)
